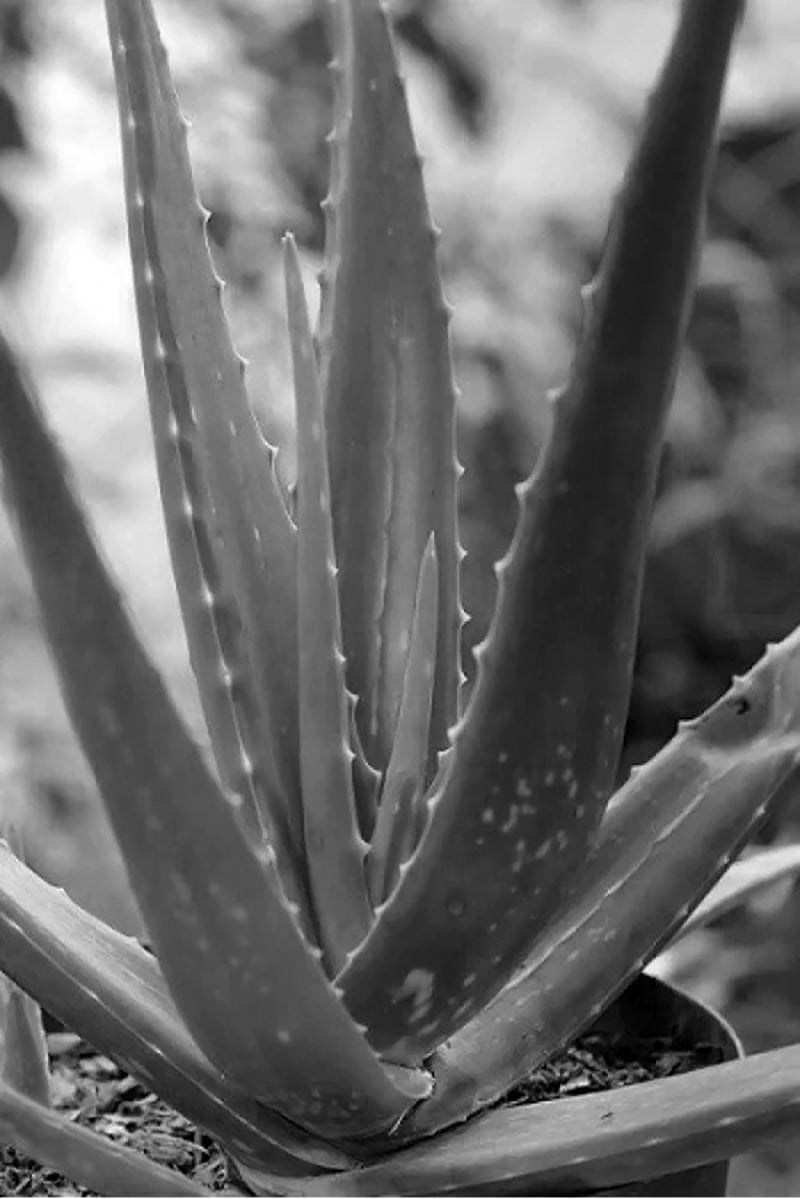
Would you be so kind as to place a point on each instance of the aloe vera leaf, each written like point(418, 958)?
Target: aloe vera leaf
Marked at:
point(108, 989)
point(593, 1142)
point(81, 1155)
point(211, 904)
point(366, 779)
point(388, 387)
point(672, 831)
point(215, 467)
point(534, 759)
point(743, 879)
point(335, 850)
point(395, 833)
point(24, 1062)
point(23, 1049)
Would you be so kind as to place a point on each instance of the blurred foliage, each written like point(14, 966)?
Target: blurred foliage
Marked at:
point(15, 52)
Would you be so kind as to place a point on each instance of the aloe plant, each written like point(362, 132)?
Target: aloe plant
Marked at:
point(383, 907)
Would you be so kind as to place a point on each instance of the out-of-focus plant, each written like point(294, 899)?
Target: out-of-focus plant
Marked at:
point(15, 49)
point(385, 908)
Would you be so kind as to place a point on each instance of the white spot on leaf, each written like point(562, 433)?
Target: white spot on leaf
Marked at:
point(418, 987)
point(512, 818)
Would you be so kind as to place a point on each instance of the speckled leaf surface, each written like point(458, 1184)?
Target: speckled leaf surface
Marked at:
point(388, 386)
point(534, 759)
point(335, 850)
point(92, 1161)
point(671, 832)
point(108, 989)
point(590, 1143)
point(231, 538)
point(249, 987)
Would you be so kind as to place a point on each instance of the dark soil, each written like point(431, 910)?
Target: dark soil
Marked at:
point(90, 1089)
point(600, 1062)
point(93, 1091)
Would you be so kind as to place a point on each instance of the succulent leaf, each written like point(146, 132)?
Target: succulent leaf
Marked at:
point(366, 779)
point(395, 831)
point(593, 1142)
point(673, 829)
point(108, 989)
point(232, 542)
point(92, 1161)
point(534, 759)
point(389, 393)
point(334, 848)
point(23, 1050)
point(213, 906)
point(378, 881)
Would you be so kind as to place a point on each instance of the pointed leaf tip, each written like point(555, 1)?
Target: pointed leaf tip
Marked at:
point(536, 755)
point(388, 386)
point(228, 529)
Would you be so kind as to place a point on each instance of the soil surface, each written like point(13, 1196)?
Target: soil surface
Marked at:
point(93, 1091)
point(600, 1062)
point(89, 1088)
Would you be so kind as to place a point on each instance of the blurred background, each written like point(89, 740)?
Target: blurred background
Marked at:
point(525, 111)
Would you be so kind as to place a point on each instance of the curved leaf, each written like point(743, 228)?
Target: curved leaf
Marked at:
point(231, 538)
point(108, 989)
point(249, 987)
point(580, 1145)
point(82, 1155)
point(534, 759)
point(672, 830)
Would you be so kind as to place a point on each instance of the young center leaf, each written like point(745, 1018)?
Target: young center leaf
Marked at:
point(388, 387)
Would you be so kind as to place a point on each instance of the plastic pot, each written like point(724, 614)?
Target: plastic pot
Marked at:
point(650, 1007)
